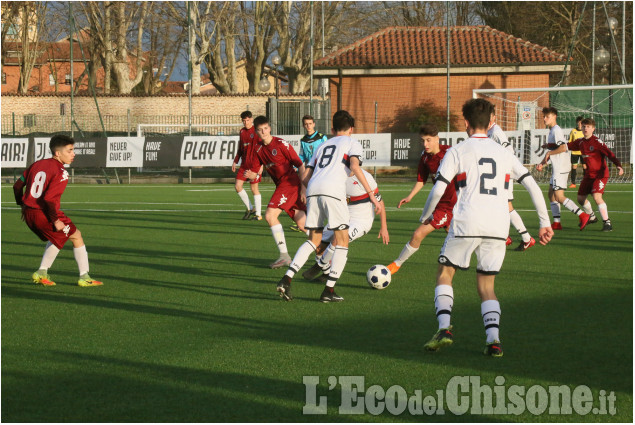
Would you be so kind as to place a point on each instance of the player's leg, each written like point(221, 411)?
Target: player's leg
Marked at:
point(340, 257)
point(604, 212)
point(571, 206)
point(242, 193)
point(574, 170)
point(257, 207)
point(277, 231)
point(81, 257)
point(584, 190)
point(517, 222)
point(455, 254)
point(411, 246)
point(304, 252)
point(41, 275)
point(515, 219)
point(323, 256)
point(490, 254)
point(300, 219)
point(555, 209)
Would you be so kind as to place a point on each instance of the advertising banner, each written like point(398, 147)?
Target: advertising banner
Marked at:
point(13, 152)
point(125, 152)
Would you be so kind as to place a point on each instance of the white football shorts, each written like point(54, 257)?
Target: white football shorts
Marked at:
point(326, 209)
point(559, 180)
point(357, 228)
point(457, 252)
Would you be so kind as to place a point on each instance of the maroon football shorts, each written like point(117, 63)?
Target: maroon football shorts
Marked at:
point(39, 224)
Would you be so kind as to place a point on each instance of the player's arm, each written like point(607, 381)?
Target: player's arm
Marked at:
point(522, 176)
point(357, 171)
point(383, 230)
point(51, 193)
point(612, 157)
point(239, 154)
point(415, 189)
point(18, 187)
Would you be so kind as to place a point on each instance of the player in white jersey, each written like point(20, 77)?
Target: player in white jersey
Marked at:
point(496, 133)
point(560, 159)
point(362, 215)
point(328, 170)
point(483, 170)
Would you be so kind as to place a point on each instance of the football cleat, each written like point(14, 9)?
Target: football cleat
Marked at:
point(608, 227)
point(283, 261)
point(524, 245)
point(313, 272)
point(593, 219)
point(572, 186)
point(329, 296)
point(86, 280)
point(295, 228)
point(255, 217)
point(247, 214)
point(493, 349)
point(441, 339)
point(42, 279)
point(284, 287)
point(556, 226)
point(508, 241)
point(584, 220)
point(393, 268)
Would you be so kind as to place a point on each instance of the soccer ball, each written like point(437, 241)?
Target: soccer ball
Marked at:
point(378, 276)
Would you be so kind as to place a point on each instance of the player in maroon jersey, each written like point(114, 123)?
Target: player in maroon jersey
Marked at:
point(596, 175)
point(442, 215)
point(279, 158)
point(246, 146)
point(45, 181)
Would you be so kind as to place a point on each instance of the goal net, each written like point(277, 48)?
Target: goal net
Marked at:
point(519, 113)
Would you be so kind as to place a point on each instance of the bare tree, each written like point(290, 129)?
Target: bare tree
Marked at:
point(221, 60)
point(164, 39)
point(256, 34)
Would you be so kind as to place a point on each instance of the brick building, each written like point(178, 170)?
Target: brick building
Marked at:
point(384, 76)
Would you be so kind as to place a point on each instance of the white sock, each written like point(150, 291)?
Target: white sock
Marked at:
point(303, 254)
point(340, 256)
point(519, 225)
point(81, 256)
point(406, 252)
point(245, 198)
point(326, 258)
point(555, 212)
point(50, 253)
point(604, 212)
point(587, 207)
point(571, 206)
point(491, 312)
point(258, 204)
point(278, 236)
point(443, 301)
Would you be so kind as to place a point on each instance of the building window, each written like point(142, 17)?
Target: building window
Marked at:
point(67, 79)
point(4, 78)
point(51, 80)
point(29, 120)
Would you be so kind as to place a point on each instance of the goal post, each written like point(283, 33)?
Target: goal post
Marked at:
point(519, 113)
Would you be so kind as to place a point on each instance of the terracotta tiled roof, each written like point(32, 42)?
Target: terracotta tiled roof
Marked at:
point(427, 46)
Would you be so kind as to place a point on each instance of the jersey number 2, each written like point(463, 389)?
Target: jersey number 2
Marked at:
point(38, 184)
point(487, 176)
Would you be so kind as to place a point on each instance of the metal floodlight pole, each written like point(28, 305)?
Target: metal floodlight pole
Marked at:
point(447, 29)
point(593, 58)
point(70, 21)
point(623, 61)
point(311, 79)
point(189, 65)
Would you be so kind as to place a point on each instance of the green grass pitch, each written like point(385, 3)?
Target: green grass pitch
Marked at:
point(188, 326)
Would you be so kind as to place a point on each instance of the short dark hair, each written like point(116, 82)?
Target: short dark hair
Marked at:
point(578, 119)
point(260, 120)
point(342, 121)
point(549, 110)
point(246, 114)
point(477, 112)
point(588, 121)
point(59, 141)
point(428, 129)
point(307, 117)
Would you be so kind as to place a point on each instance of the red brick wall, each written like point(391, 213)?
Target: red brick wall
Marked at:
point(395, 94)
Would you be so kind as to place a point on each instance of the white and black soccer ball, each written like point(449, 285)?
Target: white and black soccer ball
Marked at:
point(378, 276)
